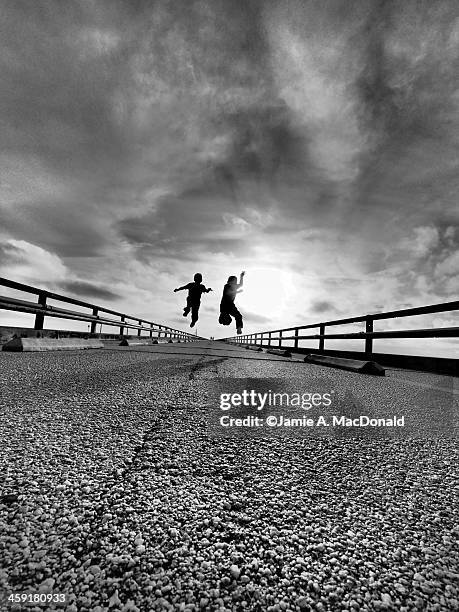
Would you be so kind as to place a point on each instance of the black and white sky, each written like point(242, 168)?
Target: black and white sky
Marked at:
point(314, 144)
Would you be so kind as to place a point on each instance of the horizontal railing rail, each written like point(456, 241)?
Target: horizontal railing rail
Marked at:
point(41, 309)
point(278, 336)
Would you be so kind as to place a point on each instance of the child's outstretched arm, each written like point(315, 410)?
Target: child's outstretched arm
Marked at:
point(208, 289)
point(180, 288)
point(241, 280)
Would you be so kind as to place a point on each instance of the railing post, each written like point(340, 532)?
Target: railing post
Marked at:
point(123, 319)
point(139, 331)
point(40, 318)
point(280, 339)
point(269, 339)
point(151, 331)
point(368, 330)
point(95, 312)
point(321, 339)
point(295, 345)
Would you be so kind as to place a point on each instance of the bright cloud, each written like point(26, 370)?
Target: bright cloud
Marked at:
point(30, 264)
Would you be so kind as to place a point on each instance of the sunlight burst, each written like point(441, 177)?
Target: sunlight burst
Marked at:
point(266, 292)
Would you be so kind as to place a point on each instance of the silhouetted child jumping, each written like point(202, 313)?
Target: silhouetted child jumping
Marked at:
point(193, 301)
point(227, 306)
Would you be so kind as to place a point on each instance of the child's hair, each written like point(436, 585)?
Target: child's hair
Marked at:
point(197, 277)
point(232, 279)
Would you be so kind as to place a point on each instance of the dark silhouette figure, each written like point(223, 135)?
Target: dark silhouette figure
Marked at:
point(227, 306)
point(193, 301)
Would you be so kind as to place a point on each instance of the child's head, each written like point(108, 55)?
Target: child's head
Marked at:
point(197, 278)
point(232, 280)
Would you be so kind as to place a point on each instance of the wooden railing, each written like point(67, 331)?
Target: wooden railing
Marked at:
point(98, 315)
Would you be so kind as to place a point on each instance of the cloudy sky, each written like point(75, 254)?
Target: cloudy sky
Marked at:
point(313, 144)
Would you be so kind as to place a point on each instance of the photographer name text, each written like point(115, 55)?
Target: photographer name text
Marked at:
point(304, 421)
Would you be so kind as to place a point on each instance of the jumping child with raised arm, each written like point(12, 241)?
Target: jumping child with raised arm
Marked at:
point(193, 301)
point(227, 306)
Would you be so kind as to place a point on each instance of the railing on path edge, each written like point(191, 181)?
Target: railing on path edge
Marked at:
point(276, 338)
point(42, 309)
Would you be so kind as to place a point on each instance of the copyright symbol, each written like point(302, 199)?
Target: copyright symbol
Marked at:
point(271, 421)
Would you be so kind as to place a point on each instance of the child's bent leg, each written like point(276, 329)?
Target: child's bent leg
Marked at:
point(238, 318)
point(187, 308)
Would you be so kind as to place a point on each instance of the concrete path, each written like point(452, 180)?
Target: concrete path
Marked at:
point(121, 490)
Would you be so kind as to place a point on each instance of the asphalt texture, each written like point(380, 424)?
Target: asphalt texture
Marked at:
point(121, 490)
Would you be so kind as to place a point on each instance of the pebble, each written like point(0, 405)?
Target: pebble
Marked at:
point(9, 498)
point(235, 571)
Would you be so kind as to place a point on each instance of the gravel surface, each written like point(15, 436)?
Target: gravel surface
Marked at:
point(114, 493)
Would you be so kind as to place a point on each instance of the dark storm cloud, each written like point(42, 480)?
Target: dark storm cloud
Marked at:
point(82, 288)
point(253, 317)
point(408, 53)
point(58, 74)
point(198, 221)
point(264, 145)
point(60, 145)
point(319, 306)
point(66, 229)
point(10, 254)
point(106, 94)
point(409, 111)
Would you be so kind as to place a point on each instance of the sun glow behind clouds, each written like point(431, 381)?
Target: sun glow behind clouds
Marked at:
point(267, 292)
